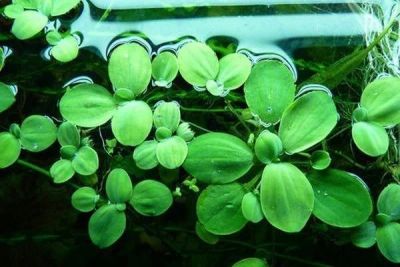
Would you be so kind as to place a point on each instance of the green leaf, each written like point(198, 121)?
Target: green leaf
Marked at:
point(389, 201)
point(151, 198)
point(44, 6)
point(167, 114)
point(62, 171)
point(307, 121)
point(198, 63)
point(132, 123)
point(7, 97)
point(87, 105)
point(185, 132)
point(364, 236)
point(38, 133)
point(234, 69)
point(53, 37)
point(269, 90)
point(84, 199)
point(119, 186)
point(60, 7)
point(251, 207)
point(28, 4)
point(268, 147)
point(66, 50)
point(10, 149)
point(341, 199)
point(381, 99)
point(13, 10)
point(218, 158)
point(251, 262)
point(68, 134)
point(287, 198)
point(106, 226)
point(86, 161)
point(165, 68)
point(130, 68)
point(172, 152)
point(206, 236)
point(28, 23)
point(163, 133)
point(145, 155)
point(68, 151)
point(2, 62)
point(388, 239)
point(370, 138)
point(320, 160)
point(219, 208)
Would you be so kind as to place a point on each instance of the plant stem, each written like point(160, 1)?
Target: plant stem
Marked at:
point(358, 165)
point(232, 109)
point(34, 167)
point(205, 110)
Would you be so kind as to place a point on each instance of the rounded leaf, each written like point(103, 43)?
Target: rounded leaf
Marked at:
point(341, 199)
point(320, 160)
point(87, 105)
point(388, 239)
point(364, 236)
point(164, 68)
point(251, 262)
point(151, 198)
point(206, 236)
point(287, 198)
point(68, 151)
point(268, 147)
point(269, 90)
point(130, 68)
point(372, 139)
point(198, 63)
point(132, 123)
point(119, 186)
point(185, 132)
point(38, 133)
point(307, 121)
point(7, 97)
point(68, 135)
point(66, 50)
point(62, 171)
point(218, 158)
point(389, 201)
point(234, 69)
point(84, 199)
point(163, 133)
point(145, 155)
point(10, 149)
point(219, 208)
point(106, 225)
point(381, 99)
point(86, 161)
point(167, 114)
point(251, 207)
point(13, 10)
point(28, 23)
point(60, 7)
point(172, 152)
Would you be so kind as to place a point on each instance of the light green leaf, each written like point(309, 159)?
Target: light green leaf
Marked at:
point(167, 114)
point(7, 97)
point(269, 90)
point(251, 262)
point(62, 171)
point(389, 201)
point(68, 151)
point(165, 69)
point(163, 133)
point(364, 236)
point(320, 160)
point(124, 94)
point(341, 198)
point(370, 138)
point(185, 132)
point(84, 199)
point(388, 239)
point(219, 208)
point(218, 158)
point(44, 6)
point(106, 225)
point(268, 147)
point(381, 99)
point(10, 149)
point(60, 7)
point(251, 207)
point(206, 236)
point(286, 196)
point(28, 23)
point(132, 123)
point(86, 161)
point(66, 50)
point(130, 68)
point(172, 152)
point(198, 63)
point(151, 198)
point(145, 155)
point(53, 37)
point(68, 134)
point(13, 10)
point(119, 186)
point(307, 121)
point(38, 133)
point(87, 105)
point(234, 69)
point(28, 4)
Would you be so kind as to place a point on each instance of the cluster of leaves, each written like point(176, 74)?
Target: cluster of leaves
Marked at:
point(246, 181)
